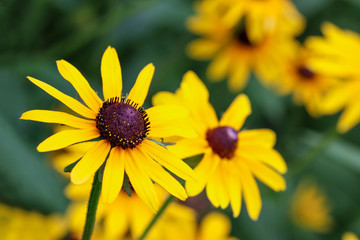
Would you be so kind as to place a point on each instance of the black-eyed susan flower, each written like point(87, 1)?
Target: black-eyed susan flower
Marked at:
point(336, 54)
point(232, 160)
point(240, 37)
point(121, 129)
point(310, 208)
point(307, 86)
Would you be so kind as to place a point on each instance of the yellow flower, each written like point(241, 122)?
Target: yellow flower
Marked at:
point(123, 128)
point(236, 36)
point(336, 54)
point(310, 208)
point(349, 236)
point(299, 78)
point(179, 222)
point(17, 224)
point(264, 17)
point(231, 159)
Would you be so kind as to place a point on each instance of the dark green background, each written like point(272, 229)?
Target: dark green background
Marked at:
point(34, 34)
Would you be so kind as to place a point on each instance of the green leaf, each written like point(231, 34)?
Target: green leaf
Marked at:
point(70, 167)
point(25, 179)
point(126, 185)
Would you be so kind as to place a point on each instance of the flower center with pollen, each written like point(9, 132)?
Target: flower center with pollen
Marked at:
point(122, 123)
point(223, 141)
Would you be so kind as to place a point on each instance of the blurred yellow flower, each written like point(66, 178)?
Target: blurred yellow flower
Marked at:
point(16, 224)
point(310, 208)
point(180, 222)
point(307, 86)
point(241, 36)
point(232, 160)
point(336, 54)
point(349, 236)
point(123, 127)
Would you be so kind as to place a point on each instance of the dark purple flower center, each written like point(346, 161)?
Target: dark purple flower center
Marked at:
point(243, 38)
point(223, 141)
point(306, 73)
point(122, 123)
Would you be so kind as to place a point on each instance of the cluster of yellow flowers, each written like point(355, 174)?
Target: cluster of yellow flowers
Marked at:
point(125, 147)
point(259, 36)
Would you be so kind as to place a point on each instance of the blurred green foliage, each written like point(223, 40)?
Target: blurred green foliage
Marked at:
point(34, 34)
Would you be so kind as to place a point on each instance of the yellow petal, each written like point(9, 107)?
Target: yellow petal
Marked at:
point(90, 162)
point(234, 189)
point(66, 138)
point(188, 147)
point(65, 99)
point(237, 113)
point(250, 191)
point(141, 182)
point(113, 174)
point(163, 98)
point(216, 188)
point(177, 127)
point(70, 73)
point(140, 89)
point(193, 88)
point(257, 137)
point(57, 117)
point(163, 114)
point(204, 170)
point(202, 49)
point(238, 76)
point(111, 74)
point(196, 96)
point(159, 175)
point(336, 99)
point(219, 67)
point(168, 160)
point(349, 118)
point(116, 222)
point(169, 120)
point(269, 156)
point(267, 175)
point(215, 226)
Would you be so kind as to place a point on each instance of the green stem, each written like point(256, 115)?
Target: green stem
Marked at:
point(156, 217)
point(92, 207)
point(313, 153)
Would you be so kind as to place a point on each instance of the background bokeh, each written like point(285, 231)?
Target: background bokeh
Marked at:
point(34, 34)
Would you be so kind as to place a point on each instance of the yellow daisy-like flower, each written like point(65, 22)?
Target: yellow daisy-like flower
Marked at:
point(336, 54)
point(231, 159)
point(17, 224)
point(349, 236)
point(125, 215)
point(233, 36)
point(179, 222)
point(299, 78)
point(310, 208)
point(123, 127)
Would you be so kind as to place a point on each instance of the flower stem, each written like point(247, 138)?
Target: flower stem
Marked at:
point(92, 206)
point(156, 217)
point(313, 153)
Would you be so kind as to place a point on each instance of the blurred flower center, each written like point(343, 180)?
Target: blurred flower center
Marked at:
point(223, 141)
point(243, 38)
point(305, 73)
point(122, 123)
